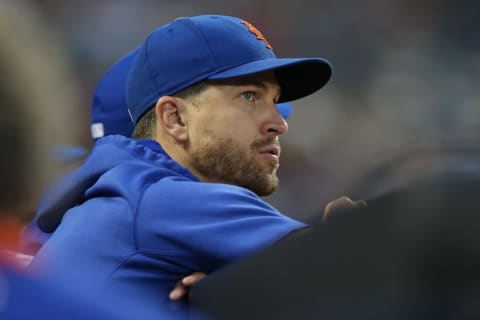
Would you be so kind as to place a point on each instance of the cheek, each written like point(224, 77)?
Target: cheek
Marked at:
point(243, 133)
point(237, 128)
point(242, 124)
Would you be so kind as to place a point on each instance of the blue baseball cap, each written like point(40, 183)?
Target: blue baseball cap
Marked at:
point(189, 50)
point(109, 114)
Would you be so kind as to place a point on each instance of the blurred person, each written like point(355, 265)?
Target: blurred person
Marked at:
point(24, 69)
point(25, 94)
point(109, 115)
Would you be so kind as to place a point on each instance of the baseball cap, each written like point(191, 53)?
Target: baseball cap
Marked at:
point(109, 114)
point(192, 49)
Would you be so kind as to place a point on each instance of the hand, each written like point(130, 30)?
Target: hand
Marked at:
point(16, 258)
point(341, 205)
point(181, 288)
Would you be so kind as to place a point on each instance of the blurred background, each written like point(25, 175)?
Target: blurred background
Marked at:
point(406, 77)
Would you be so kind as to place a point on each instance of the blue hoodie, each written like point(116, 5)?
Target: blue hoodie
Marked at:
point(133, 219)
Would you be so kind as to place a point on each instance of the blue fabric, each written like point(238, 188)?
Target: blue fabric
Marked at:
point(25, 297)
point(109, 109)
point(213, 47)
point(138, 222)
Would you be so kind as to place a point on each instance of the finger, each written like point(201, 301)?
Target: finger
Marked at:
point(360, 203)
point(345, 203)
point(193, 278)
point(177, 293)
point(340, 206)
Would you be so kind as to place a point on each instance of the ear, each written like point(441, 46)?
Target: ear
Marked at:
point(170, 112)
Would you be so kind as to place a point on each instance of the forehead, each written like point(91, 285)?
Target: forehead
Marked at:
point(264, 80)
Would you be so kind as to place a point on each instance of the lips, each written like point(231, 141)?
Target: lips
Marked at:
point(271, 150)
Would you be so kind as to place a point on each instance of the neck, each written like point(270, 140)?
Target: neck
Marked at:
point(178, 153)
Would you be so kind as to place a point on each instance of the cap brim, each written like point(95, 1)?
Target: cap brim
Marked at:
point(298, 77)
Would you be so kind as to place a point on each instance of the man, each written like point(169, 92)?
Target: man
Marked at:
point(183, 196)
point(109, 115)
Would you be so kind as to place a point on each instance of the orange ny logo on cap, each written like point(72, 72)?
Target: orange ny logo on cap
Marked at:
point(256, 32)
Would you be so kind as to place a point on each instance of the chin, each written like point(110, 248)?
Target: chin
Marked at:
point(269, 187)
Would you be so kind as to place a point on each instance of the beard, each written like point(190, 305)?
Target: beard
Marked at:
point(224, 161)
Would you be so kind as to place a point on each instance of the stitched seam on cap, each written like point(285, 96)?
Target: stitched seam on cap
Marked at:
point(152, 76)
point(201, 34)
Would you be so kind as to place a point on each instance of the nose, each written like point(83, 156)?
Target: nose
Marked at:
point(276, 124)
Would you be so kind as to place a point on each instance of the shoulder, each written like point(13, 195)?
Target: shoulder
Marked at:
point(183, 193)
point(195, 219)
point(176, 202)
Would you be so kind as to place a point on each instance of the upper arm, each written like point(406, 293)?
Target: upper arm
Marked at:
point(207, 223)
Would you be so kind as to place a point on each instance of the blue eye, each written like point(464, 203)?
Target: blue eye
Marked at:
point(249, 95)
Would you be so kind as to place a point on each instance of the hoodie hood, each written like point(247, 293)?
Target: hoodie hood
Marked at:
point(107, 153)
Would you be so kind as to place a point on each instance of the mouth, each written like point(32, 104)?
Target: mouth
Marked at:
point(272, 152)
